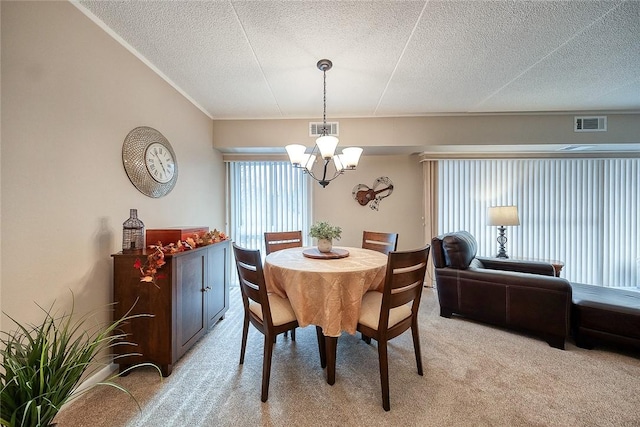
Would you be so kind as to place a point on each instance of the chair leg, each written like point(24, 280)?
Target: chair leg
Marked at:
point(416, 345)
point(321, 347)
point(384, 373)
point(245, 331)
point(266, 367)
point(293, 334)
point(365, 338)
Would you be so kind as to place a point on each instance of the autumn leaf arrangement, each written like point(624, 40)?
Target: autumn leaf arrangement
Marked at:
point(155, 260)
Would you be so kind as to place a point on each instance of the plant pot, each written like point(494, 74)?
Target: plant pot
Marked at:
point(324, 245)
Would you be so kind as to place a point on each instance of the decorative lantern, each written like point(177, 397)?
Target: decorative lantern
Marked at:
point(132, 233)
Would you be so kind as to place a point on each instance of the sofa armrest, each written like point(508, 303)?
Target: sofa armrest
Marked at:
point(521, 266)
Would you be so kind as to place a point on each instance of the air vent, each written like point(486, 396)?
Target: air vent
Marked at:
point(315, 128)
point(590, 124)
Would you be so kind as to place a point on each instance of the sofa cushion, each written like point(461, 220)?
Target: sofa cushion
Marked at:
point(281, 310)
point(370, 311)
point(459, 249)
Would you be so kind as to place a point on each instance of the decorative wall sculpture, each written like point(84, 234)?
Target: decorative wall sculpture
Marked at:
point(382, 187)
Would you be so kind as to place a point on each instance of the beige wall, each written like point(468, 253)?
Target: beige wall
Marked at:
point(401, 212)
point(420, 133)
point(70, 96)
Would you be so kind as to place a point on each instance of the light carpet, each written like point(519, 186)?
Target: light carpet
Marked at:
point(474, 375)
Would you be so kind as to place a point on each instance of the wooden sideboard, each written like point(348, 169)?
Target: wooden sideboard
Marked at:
point(190, 297)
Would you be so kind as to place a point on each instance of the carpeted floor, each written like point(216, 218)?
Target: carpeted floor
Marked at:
point(474, 375)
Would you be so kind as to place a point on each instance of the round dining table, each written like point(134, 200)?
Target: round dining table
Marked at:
point(325, 292)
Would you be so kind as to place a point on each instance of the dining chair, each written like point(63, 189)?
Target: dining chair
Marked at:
point(278, 240)
point(381, 242)
point(387, 314)
point(268, 312)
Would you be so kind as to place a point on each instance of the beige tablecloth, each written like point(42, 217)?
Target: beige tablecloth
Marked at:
point(327, 293)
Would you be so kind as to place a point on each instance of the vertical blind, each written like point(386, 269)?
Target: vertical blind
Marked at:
point(583, 212)
point(266, 196)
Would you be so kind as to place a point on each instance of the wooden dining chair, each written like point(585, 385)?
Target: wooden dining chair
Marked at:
point(387, 314)
point(278, 240)
point(381, 242)
point(268, 312)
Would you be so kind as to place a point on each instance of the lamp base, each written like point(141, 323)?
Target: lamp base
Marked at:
point(502, 240)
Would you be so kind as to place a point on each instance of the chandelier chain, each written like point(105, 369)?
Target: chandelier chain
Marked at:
point(324, 100)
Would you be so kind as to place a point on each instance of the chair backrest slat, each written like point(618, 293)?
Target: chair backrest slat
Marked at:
point(251, 278)
point(404, 278)
point(278, 240)
point(381, 242)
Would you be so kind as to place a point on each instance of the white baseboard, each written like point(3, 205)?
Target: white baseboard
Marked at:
point(94, 379)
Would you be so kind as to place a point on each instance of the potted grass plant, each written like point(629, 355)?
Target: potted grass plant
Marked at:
point(43, 364)
point(325, 233)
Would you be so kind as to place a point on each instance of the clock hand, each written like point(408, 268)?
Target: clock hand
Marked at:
point(161, 163)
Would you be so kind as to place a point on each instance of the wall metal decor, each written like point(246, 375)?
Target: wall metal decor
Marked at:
point(382, 187)
point(150, 162)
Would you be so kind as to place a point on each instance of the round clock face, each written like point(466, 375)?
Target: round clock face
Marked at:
point(159, 162)
point(150, 163)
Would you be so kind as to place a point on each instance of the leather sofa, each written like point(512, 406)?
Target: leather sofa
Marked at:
point(602, 314)
point(515, 294)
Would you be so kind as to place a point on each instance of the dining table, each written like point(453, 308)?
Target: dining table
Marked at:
point(326, 290)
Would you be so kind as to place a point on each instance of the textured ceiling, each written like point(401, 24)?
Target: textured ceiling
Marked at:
point(257, 59)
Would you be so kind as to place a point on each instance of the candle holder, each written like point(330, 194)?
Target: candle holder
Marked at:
point(132, 234)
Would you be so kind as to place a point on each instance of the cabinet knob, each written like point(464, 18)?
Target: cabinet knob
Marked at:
point(207, 289)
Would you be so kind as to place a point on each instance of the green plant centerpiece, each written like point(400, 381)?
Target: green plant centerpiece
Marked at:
point(42, 364)
point(325, 233)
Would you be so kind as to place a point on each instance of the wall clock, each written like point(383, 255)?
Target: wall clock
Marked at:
point(150, 162)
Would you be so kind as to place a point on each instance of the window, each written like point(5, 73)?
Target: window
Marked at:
point(266, 196)
point(583, 212)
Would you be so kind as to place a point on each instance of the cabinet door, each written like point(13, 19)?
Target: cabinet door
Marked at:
point(190, 299)
point(152, 335)
point(218, 294)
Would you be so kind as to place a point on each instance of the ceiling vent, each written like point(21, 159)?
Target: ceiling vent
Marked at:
point(590, 124)
point(315, 128)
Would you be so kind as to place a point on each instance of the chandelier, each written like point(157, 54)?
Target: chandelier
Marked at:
point(325, 147)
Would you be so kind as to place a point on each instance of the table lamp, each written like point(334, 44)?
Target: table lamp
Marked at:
point(502, 216)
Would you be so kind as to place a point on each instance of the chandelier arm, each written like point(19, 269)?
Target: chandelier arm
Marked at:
point(324, 181)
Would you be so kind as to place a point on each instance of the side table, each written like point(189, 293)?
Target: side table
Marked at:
point(557, 266)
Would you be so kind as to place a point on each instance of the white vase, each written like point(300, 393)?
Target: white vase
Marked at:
point(324, 245)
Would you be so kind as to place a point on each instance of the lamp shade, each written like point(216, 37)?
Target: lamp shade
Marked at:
point(503, 215)
point(308, 160)
point(351, 157)
point(296, 153)
point(327, 145)
point(339, 162)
